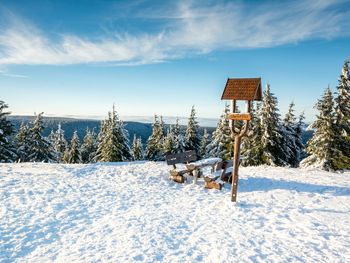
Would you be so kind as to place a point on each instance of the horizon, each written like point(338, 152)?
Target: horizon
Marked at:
point(170, 120)
point(161, 58)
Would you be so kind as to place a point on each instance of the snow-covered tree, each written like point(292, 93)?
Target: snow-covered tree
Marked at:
point(72, 154)
point(40, 148)
point(275, 152)
point(289, 139)
point(300, 147)
point(7, 149)
point(192, 133)
point(154, 149)
point(179, 138)
point(221, 144)
point(59, 143)
point(89, 147)
point(137, 149)
point(22, 140)
point(342, 119)
point(322, 146)
point(113, 140)
point(169, 142)
point(204, 143)
point(252, 148)
point(51, 136)
point(162, 126)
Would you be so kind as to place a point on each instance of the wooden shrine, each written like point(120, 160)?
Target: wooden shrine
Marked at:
point(249, 90)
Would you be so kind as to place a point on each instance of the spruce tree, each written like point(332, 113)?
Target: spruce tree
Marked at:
point(204, 143)
point(51, 137)
point(40, 148)
point(289, 139)
point(169, 142)
point(252, 148)
point(275, 152)
point(192, 134)
point(59, 143)
point(179, 138)
point(137, 149)
point(300, 147)
point(162, 127)
point(7, 149)
point(113, 140)
point(154, 149)
point(22, 140)
point(88, 147)
point(221, 144)
point(342, 119)
point(322, 146)
point(72, 154)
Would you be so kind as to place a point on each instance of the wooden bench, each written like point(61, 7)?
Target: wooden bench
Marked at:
point(222, 170)
point(180, 158)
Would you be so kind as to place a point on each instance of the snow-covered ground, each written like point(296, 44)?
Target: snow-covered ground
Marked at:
point(132, 212)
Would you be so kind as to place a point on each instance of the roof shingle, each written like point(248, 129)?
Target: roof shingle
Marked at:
point(242, 89)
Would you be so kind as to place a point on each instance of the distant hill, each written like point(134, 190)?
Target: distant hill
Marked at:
point(69, 125)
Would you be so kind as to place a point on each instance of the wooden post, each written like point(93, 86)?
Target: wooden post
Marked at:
point(235, 168)
point(238, 134)
point(243, 89)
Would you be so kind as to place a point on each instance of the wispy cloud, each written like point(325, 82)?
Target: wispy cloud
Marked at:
point(11, 75)
point(189, 30)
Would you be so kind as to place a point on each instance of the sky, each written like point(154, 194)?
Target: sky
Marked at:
point(77, 58)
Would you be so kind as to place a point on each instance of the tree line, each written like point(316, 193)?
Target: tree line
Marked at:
point(271, 140)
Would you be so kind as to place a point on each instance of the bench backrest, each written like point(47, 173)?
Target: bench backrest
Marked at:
point(184, 157)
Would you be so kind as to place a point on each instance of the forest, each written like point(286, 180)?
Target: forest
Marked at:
point(271, 140)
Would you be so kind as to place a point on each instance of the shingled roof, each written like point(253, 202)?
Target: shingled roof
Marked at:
point(242, 89)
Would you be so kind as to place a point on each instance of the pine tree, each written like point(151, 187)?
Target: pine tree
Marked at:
point(162, 127)
point(154, 149)
point(252, 149)
point(300, 147)
point(221, 144)
point(179, 138)
point(322, 146)
point(204, 143)
point(7, 149)
point(88, 147)
point(113, 140)
point(137, 149)
point(342, 122)
point(40, 148)
point(169, 142)
point(275, 152)
point(289, 139)
point(51, 136)
point(22, 140)
point(192, 134)
point(72, 154)
point(59, 143)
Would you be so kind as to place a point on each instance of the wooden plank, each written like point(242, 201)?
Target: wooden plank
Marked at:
point(239, 116)
point(184, 157)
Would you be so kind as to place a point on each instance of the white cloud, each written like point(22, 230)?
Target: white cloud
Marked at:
point(5, 73)
point(190, 30)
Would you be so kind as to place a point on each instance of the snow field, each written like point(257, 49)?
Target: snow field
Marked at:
point(131, 212)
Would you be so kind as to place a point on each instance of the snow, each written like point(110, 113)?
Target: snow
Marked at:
point(207, 161)
point(131, 212)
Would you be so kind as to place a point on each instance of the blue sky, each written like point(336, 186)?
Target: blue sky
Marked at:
point(163, 57)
